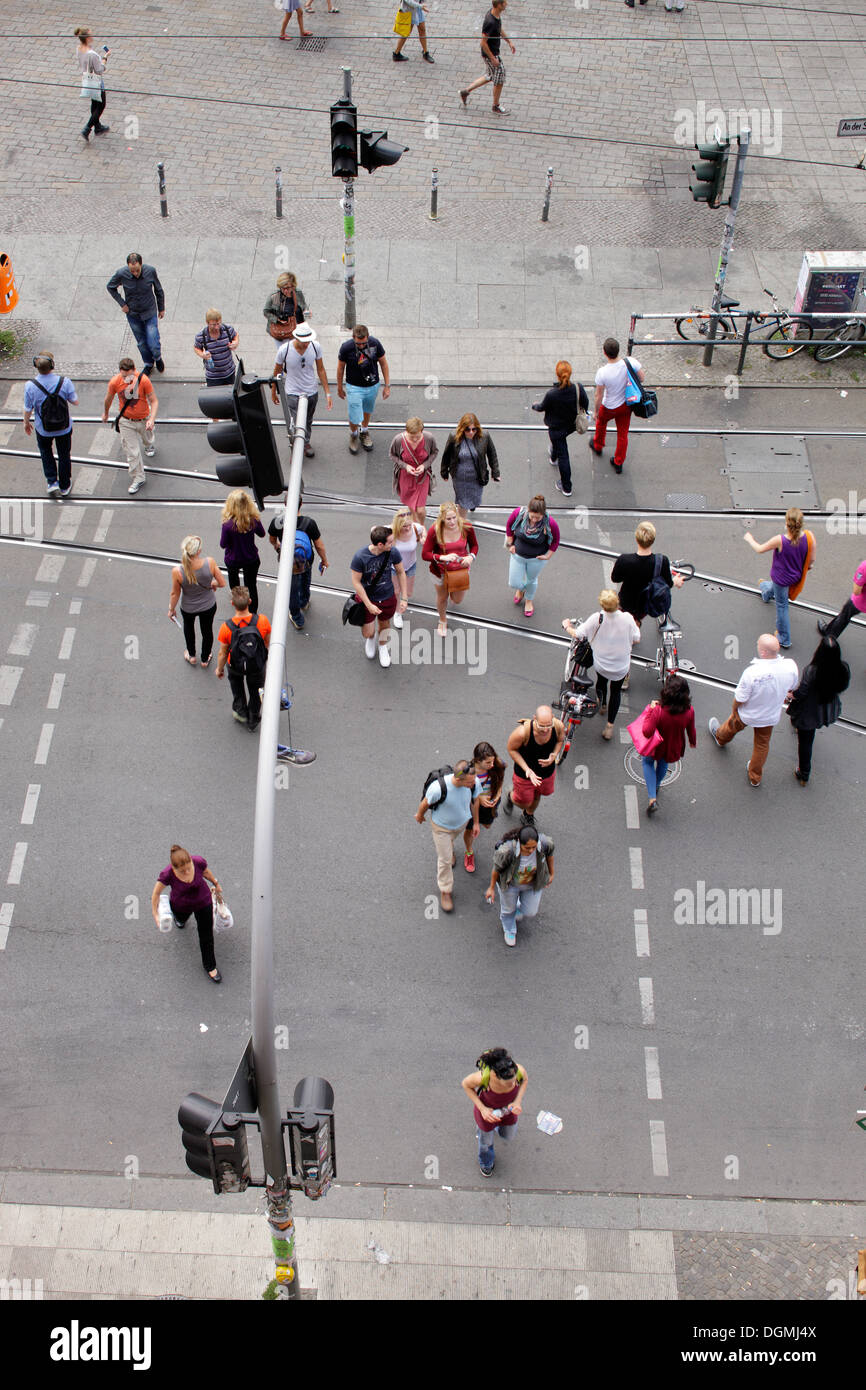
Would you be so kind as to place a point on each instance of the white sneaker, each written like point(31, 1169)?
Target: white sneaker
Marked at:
point(150, 450)
point(136, 487)
point(370, 646)
point(384, 654)
point(397, 620)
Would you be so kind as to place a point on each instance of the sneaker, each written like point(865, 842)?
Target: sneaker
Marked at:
point(397, 620)
point(428, 57)
point(253, 724)
point(804, 781)
point(560, 488)
point(749, 775)
point(527, 818)
point(137, 486)
point(150, 450)
point(297, 622)
point(65, 491)
point(469, 862)
point(384, 654)
point(294, 755)
point(447, 901)
point(101, 129)
point(53, 489)
point(160, 365)
point(353, 444)
point(500, 111)
point(510, 937)
point(239, 718)
point(85, 135)
point(399, 57)
point(309, 451)
point(626, 681)
point(822, 626)
point(366, 440)
point(714, 727)
point(370, 646)
point(485, 1171)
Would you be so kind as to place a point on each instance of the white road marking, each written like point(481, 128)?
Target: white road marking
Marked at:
point(647, 1002)
point(653, 1075)
point(50, 569)
point(22, 639)
point(28, 815)
point(37, 598)
point(6, 431)
point(66, 645)
point(641, 932)
point(9, 678)
point(632, 815)
point(101, 531)
point(16, 868)
point(86, 480)
point(75, 605)
point(87, 571)
point(44, 744)
point(68, 523)
point(659, 1148)
point(6, 910)
point(635, 858)
point(624, 736)
point(102, 443)
point(56, 691)
point(15, 397)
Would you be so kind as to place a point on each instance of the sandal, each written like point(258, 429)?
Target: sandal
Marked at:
point(191, 659)
point(528, 610)
point(442, 629)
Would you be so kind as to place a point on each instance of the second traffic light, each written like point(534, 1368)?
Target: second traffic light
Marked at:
point(344, 140)
point(215, 1143)
point(377, 150)
point(709, 183)
point(247, 434)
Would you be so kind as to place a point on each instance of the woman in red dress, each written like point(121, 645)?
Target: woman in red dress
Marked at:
point(413, 453)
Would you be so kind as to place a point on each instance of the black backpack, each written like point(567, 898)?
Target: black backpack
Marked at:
point(55, 409)
point(437, 775)
point(247, 653)
point(657, 594)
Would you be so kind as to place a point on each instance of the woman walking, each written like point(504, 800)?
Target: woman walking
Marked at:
point(93, 67)
point(193, 582)
point(285, 308)
point(407, 534)
point(523, 868)
point(815, 704)
point(563, 406)
point(410, 14)
point(187, 877)
point(241, 525)
point(794, 556)
point(531, 537)
point(469, 458)
point(612, 634)
point(672, 716)
point(489, 776)
point(413, 453)
point(449, 549)
point(293, 7)
point(214, 345)
point(496, 1091)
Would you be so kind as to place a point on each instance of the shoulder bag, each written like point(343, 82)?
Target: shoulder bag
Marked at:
point(356, 613)
point(583, 649)
point(127, 403)
point(285, 326)
point(91, 83)
point(644, 404)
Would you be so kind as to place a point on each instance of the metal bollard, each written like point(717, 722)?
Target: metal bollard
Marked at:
point(163, 203)
point(547, 192)
point(434, 196)
point(279, 180)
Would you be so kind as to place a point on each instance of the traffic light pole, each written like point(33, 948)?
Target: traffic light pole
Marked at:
point(727, 241)
point(348, 205)
point(279, 1205)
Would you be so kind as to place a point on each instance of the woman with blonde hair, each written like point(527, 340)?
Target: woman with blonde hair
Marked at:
point(611, 633)
point(413, 453)
point(449, 549)
point(286, 307)
point(469, 457)
point(193, 582)
point(407, 532)
point(794, 556)
point(93, 67)
point(566, 409)
point(241, 525)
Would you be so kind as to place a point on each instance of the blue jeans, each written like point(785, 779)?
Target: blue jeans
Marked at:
point(512, 900)
point(559, 449)
point(63, 467)
point(485, 1141)
point(146, 334)
point(771, 590)
point(299, 594)
point(523, 574)
point(654, 773)
point(361, 401)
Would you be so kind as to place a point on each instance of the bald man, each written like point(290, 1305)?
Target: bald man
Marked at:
point(534, 748)
point(761, 695)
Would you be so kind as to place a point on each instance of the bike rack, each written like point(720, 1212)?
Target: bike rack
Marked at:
point(744, 340)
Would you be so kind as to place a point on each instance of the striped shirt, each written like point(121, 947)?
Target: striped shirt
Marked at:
point(221, 362)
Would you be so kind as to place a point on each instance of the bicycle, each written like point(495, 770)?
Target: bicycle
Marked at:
point(668, 661)
point(695, 327)
point(574, 701)
point(852, 330)
point(788, 334)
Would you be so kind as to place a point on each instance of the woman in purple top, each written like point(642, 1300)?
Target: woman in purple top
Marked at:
point(791, 554)
point(531, 537)
point(241, 525)
point(189, 893)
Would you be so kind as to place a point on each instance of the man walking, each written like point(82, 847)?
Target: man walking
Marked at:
point(135, 419)
point(46, 405)
point(645, 580)
point(300, 361)
point(534, 747)
point(611, 381)
point(453, 801)
point(143, 303)
point(244, 644)
point(759, 699)
point(850, 608)
point(302, 569)
point(492, 34)
point(358, 360)
point(374, 586)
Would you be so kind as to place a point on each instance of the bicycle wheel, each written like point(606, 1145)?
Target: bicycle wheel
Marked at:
point(671, 658)
point(695, 328)
point(787, 338)
point(568, 727)
point(851, 332)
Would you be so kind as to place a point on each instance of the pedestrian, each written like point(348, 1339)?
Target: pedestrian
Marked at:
point(293, 7)
point(286, 307)
point(452, 799)
point(490, 775)
point(611, 633)
point(302, 568)
point(373, 583)
point(407, 533)
point(669, 5)
point(566, 410)
point(793, 557)
point(533, 748)
point(672, 717)
point(850, 608)
point(759, 699)
point(531, 536)
point(332, 9)
point(469, 457)
point(450, 548)
point(299, 360)
point(143, 303)
point(47, 399)
point(243, 648)
point(93, 67)
point(187, 877)
point(193, 583)
point(611, 381)
point(645, 580)
point(413, 452)
point(523, 868)
point(815, 703)
point(241, 525)
point(214, 345)
point(492, 34)
point(359, 359)
point(407, 17)
point(134, 422)
point(496, 1091)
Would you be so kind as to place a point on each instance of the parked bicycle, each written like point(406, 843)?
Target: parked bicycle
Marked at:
point(668, 660)
point(695, 327)
point(574, 701)
point(779, 333)
point(852, 330)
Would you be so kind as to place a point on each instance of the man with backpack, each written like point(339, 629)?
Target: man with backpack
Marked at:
point(308, 538)
point(243, 644)
point(46, 406)
point(137, 406)
point(451, 795)
point(645, 579)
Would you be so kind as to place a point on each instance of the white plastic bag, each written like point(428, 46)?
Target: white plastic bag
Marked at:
point(222, 917)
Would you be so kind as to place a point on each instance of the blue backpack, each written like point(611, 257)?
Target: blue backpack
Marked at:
point(303, 558)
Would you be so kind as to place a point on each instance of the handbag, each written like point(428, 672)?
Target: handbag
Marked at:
point(403, 23)
point(647, 746)
point(581, 422)
point(456, 579)
point(285, 327)
point(222, 917)
point(91, 84)
point(583, 655)
point(644, 404)
point(356, 613)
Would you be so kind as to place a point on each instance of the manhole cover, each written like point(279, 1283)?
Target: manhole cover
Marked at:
point(314, 44)
point(686, 502)
point(634, 768)
point(766, 473)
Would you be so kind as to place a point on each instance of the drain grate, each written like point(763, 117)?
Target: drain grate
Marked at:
point(314, 44)
point(686, 502)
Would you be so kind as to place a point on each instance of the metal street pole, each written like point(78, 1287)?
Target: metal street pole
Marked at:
point(727, 240)
point(279, 1205)
point(348, 205)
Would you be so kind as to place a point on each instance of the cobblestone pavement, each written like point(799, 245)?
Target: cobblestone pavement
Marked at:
point(744, 1267)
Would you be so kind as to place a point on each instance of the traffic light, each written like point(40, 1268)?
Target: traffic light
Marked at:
point(249, 436)
point(344, 140)
point(709, 184)
point(311, 1135)
point(377, 150)
point(215, 1143)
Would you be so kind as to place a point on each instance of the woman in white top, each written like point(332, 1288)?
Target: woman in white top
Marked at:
point(407, 533)
point(92, 65)
point(611, 634)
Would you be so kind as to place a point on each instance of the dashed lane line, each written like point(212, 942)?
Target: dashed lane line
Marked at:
point(37, 598)
point(66, 645)
point(68, 523)
point(56, 691)
point(31, 801)
point(659, 1148)
point(16, 868)
point(50, 569)
point(87, 572)
point(653, 1073)
point(647, 1002)
point(6, 910)
point(635, 859)
point(641, 933)
point(44, 744)
point(632, 814)
point(22, 639)
point(9, 678)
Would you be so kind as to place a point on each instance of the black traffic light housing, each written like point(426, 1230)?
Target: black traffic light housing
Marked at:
point(344, 140)
point(215, 1143)
point(247, 435)
point(312, 1145)
point(709, 183)
point(377, 150)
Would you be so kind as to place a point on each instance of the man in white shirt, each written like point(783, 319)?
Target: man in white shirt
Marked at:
point(300, 361)
point(610, 386)
point(761, 694)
